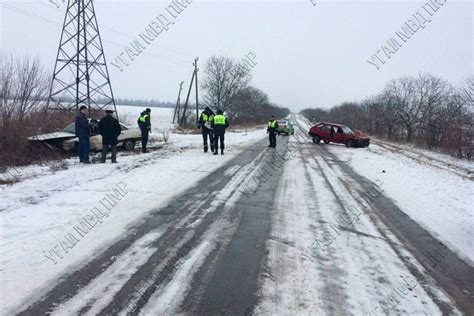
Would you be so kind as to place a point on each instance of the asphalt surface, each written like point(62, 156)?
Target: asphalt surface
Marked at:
point(236, 221)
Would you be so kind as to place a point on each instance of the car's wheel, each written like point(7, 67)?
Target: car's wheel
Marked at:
point(326, 142)
point(316, 139)
point(350, 143)
point(129, 144)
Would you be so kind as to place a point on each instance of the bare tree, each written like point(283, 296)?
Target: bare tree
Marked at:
point(466, 91)
point(24, 91)
point(224, 77)
point(24, 88)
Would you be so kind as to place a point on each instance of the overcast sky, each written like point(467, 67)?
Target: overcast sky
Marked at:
point(307, 55)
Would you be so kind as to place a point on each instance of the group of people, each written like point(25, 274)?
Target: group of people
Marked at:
point(108, 127)
point(213, 127)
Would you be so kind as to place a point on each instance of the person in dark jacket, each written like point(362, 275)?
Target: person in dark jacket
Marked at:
point(145, 127)
point(205, 122)
point(219, 124)
point(83, 132)
point(271, 131)
point(110, 129)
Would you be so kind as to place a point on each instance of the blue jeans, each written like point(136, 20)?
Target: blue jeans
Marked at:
point(84, 148)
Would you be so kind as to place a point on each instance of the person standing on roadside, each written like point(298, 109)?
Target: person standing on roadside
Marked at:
point(145, 127)
point(271, 131)
point(83, 132)
point(219, 124)
point(205, 122)
point(110, 129)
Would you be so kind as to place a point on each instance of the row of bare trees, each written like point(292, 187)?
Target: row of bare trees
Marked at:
point(227, 87)
point(424, 109)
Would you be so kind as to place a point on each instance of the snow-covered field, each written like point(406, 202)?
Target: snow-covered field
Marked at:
point(161, 118)
point(40, 213)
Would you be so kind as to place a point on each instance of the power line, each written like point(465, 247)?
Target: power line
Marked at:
point(130, 36)
point(29, 14)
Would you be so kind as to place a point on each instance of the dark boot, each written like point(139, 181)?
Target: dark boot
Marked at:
point(222, 151)
point(215, 153)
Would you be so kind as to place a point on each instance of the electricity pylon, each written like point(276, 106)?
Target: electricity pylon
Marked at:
point(80, 72)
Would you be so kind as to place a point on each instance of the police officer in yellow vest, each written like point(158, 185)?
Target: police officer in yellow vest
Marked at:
point(205, 122)
point(219, 124)
point(145, 127)
point(271, 131)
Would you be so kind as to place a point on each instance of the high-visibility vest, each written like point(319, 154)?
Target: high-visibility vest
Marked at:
point(206, 118)
point(272, 124)
point(219, 119)
point(143, 118)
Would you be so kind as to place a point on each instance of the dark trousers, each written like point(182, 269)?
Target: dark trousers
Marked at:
point(105, 150)
point(205, 133)
point(145, 132)
point(218, 137)
point(273, 139)
point(84, 148)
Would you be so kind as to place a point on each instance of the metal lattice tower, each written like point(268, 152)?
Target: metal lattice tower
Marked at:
point(80, 72)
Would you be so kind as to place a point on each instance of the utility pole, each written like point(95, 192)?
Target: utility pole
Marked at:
point(197, 97)
point(177, 107)
point(81, 69)
point(183, 117)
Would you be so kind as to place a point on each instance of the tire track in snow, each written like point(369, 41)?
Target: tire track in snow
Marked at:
point(452, 276)
point(230, 284)
point(364, 263)
point(352, 184)
point(348, 205)
point(154, 280)
point(97, 294)
point(168, 217)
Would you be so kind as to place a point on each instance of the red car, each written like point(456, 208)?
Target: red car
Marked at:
point(337, 133)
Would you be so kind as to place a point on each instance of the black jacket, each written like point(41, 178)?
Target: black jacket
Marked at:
point(220, 129)
point(145, 124)
point(110, 129)
point(272, 129)
point(82, 126)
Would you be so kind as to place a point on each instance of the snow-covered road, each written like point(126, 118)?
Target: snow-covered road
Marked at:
point(292, 231)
